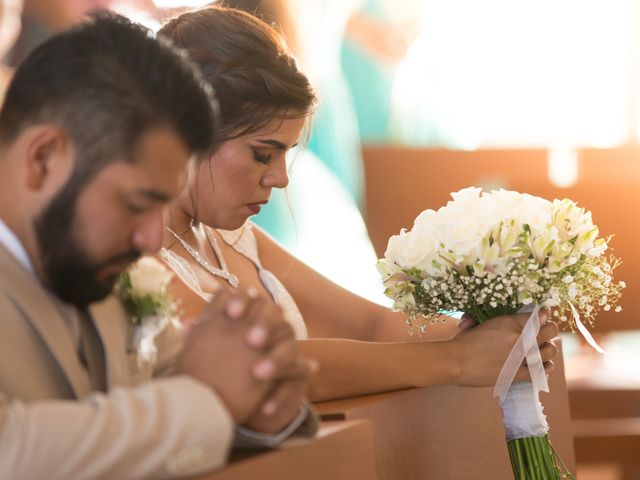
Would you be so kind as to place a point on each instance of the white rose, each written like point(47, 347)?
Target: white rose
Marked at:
point(523, 208)
point(466, 195)
point(464, 222)
point(148, 276)
point(464, 236)
point(534, 211)
point(395, 245)
point(468, 203)
point(426, 220)
point(412, 249)
point(503, 201)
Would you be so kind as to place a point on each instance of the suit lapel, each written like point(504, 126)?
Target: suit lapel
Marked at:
point(40, 309)
point(94, 352)
point(114, 328)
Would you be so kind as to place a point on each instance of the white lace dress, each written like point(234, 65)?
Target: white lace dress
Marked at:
point(244, 242)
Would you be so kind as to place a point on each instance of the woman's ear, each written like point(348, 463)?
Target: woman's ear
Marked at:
point(47, 153)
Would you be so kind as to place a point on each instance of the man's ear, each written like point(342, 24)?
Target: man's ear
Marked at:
point(47, 153)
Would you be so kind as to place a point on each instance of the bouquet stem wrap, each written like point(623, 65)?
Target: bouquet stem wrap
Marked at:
point(532, 455)
point(522, 412)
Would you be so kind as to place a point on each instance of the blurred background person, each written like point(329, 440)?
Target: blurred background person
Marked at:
point(10, 13)
point(42, 18)
point(377, 37)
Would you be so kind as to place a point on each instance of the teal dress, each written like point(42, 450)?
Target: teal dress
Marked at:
point(334, 137)
point(370, 83)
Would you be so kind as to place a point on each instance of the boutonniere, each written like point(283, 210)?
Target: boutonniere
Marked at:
point(144, 292)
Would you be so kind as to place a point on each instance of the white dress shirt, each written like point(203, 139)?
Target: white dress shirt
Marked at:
point(12, 243)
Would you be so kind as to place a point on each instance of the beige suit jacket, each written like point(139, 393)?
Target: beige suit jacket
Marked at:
point(51, 424)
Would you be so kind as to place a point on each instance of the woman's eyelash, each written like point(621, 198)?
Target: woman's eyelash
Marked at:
point(135, 209)
point(262, 158)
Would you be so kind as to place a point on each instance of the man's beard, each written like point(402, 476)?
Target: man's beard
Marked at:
point(66, 267)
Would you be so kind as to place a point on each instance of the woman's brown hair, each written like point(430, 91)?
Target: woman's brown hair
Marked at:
point(249, 65)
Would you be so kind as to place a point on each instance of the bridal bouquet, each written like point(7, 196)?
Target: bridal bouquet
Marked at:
point(499, 253)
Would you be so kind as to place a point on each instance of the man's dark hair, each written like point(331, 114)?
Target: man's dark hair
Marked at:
point(106, 82)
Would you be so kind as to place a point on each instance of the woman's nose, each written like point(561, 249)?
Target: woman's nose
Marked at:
point(277, 176)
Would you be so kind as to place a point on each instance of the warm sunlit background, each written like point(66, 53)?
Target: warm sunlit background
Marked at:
point(424, 97)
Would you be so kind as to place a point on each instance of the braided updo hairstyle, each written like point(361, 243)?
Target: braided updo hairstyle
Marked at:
point(247, 62)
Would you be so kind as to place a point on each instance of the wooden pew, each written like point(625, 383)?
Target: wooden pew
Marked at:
point(341, 451)
point(448, 432)
point(605, 408)
point(610, 441)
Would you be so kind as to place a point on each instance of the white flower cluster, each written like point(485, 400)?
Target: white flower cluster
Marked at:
point(149, 277)
point(492, 253)
point(144, 290)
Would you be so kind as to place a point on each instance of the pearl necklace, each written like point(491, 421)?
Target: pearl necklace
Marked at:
point(222, 272)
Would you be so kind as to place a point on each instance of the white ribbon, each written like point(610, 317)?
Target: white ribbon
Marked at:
point(525, 347)
point(144, 337)
point(585, 333)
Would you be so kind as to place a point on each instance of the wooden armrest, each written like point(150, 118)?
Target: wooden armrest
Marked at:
point(340, 451)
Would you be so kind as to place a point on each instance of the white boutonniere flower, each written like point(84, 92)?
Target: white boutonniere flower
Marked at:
point(144, 293)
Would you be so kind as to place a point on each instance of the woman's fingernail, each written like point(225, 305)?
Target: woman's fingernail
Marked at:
point(269, 408)
point(257, 336)
point(235, 308)
point(263, 370)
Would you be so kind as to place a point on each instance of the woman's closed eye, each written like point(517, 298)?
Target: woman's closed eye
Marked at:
point(137, 208)
point(262, 157)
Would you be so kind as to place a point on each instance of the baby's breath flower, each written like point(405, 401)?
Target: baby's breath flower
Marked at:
point(552, 257)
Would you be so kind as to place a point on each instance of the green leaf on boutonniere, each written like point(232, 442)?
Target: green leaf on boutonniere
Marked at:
point(143, 290)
